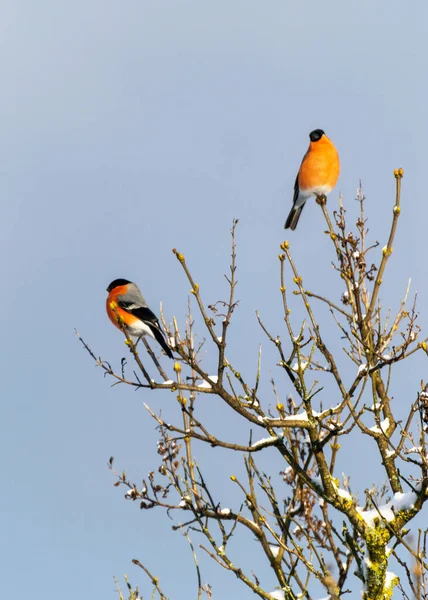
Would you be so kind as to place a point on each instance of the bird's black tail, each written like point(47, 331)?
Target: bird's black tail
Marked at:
point(293, 217)
point(161, 340)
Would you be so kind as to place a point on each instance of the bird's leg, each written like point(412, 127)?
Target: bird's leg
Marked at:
point(321, 200)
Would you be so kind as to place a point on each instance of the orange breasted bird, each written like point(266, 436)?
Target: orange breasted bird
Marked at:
point(317, 175)
point(125, 302)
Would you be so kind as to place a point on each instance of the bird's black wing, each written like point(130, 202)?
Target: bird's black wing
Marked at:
point(296, 189)
point(141, 312)
point(149, 318)
point(295, 212)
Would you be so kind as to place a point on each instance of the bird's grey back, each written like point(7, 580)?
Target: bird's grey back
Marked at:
point(133, 296)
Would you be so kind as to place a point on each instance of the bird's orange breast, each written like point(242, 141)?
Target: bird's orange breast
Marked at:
point(114, 311)
point(320, 166)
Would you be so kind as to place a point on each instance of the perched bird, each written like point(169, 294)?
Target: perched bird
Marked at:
point(317, 175)
point(125, 301)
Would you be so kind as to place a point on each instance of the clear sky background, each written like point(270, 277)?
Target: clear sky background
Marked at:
point(127, 129)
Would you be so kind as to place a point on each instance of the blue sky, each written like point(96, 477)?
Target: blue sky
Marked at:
point(130, 128)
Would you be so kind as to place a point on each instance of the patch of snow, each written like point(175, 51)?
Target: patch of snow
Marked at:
point(268, 440)
point(383, 426)
point(299, 366)
point(185, 501)
point(416, 449)
point(220, 339)
point(168, 382)
point(391, 579)
point(386, 357)
point(274, 550)
point(341, 492)
point(404, 501)
point(224, 511)
point(171, 342)
point(387, 511)
point(344, 494)
point(278, 594)
point(362, 369)
point(301, 417)
point(206, 384)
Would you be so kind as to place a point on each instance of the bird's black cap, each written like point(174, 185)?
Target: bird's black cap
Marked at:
point(116, 283)
point(316, 135)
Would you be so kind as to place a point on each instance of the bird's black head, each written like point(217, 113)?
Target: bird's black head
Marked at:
point(316, 135)
point(116, 283)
